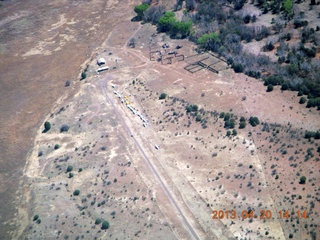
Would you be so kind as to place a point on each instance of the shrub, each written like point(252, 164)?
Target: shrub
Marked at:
point(57, 146)
point(163, 96)
point(237, 67)
point(284, 86)
point(98, 221)
point(76, 192)
point(83, 75)
point(302, 100)
point(302, 180)
point(242, 125)
point(105, 225)
point(234, 132)
point(270, 88)
point(254, 121)
point(198, 118)
point(64, 128)
point(221, 115)
point(35, 217)
point(308, 135)
point(47, 126)
point(67, 84)
point(317, 135)
point(228, 133)
point(70, 175)
point(140, 9)
point(268, 47)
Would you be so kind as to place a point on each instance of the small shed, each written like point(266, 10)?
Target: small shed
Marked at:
point(101, 61)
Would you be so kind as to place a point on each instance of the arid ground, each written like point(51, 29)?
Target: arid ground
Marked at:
point(159, 173)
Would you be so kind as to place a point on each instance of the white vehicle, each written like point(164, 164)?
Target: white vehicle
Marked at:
point(157, 147)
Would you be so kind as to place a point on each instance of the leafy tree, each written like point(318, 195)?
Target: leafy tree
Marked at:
point(226, 116)
point(302, 100)
point(182, 28)
point(69, 168)
point(303, 180)
point(308, 135)
point(105, 225)
point(83, 75)
point(234, 132)
point(166, 22)
point(76, 192)
point(57, 146)
point(270, 88)
point(317, 135)
point(228, 133)
point(222, 114)
point(35, 217)
point(64, 128)
point(288, 8)
point(98, 221)
point(254, 121)
point(140, 9)
point(210, 41)
point(162, 96)
point(47, 126)
point(242, 125)
point(237, 67)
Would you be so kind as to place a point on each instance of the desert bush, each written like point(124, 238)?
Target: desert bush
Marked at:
point(198, 118)
point(234, 132)
point(35, 217)
point(56, 146)
point(242, 125)
point(228, 134)
point(67, 84)
point(83, 75)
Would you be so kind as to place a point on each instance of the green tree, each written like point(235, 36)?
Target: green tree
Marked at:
point(64, 128)
point(317, 135)
point(254, 121)
point(35, 217)
point(270, 88)
point(162, 96)
point(47, 126)
point(76, 192)
point(198, 118)
point(228, 133)
point(288, 8)
point(226, 117)
point(105, 225)
point(98, 221)
point(302, 100)
point(83, 75)
point(69, 168)
point(182, 28)
point(242, 125)
point(57, 146)
point(140, 9)
point(308, 135)
point(166, 22)
point(234, 132)
point(303, 180)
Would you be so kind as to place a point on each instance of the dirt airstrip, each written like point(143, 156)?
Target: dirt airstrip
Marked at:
point(162, 178)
